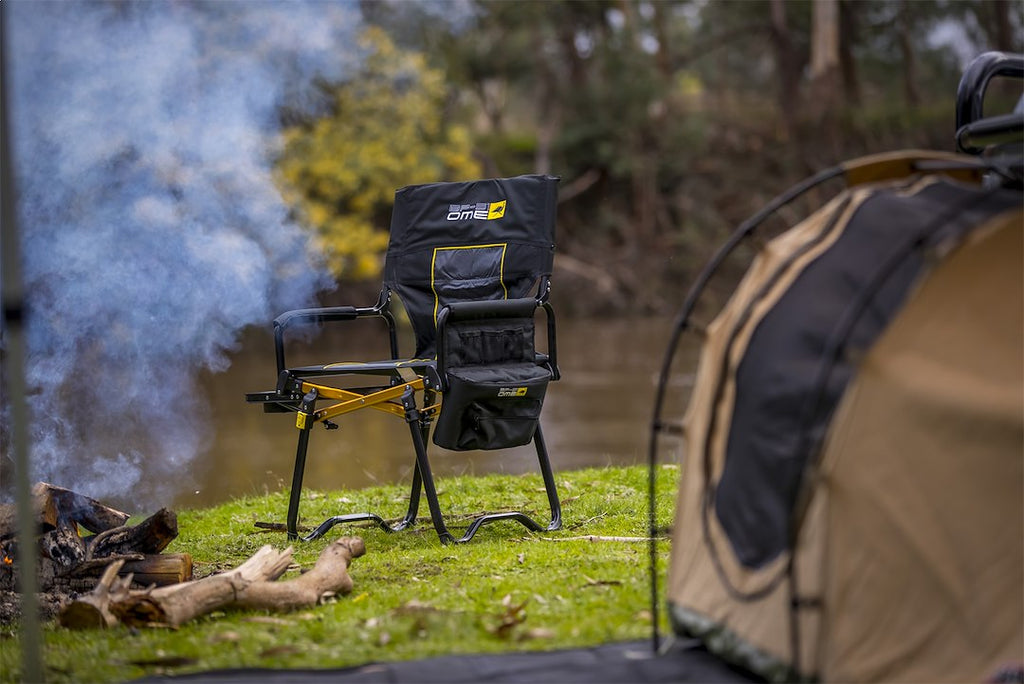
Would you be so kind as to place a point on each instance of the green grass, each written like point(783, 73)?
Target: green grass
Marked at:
point(506, 590)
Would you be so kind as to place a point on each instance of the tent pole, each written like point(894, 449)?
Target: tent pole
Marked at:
point(13, 332)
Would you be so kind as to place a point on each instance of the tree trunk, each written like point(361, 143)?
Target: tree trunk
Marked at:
point(905, 30)
point(788, 68)
point(848, 34)
point(824, 72)
point(994, 17)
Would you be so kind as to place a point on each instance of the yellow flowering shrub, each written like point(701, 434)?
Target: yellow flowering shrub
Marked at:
point(387, 130)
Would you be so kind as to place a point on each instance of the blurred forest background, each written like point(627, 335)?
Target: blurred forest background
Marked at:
point(669, 122)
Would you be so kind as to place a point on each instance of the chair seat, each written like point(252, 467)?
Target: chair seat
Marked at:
point(387, 367)
point(505, 373)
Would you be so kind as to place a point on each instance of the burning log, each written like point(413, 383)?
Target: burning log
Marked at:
point(58, 507)
point(250, 585)
point(152, 535)
point(71, 562)
point(146, 569)
point(160, 570)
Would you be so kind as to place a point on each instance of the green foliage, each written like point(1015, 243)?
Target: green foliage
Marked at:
point(507, 590)
point(681, 117)
point(388, 129)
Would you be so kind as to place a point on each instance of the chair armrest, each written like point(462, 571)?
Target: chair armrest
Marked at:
point(333, 313)
point(491, 308)
point(498, 308)
point(329, 315)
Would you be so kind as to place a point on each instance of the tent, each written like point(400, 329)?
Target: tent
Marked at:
point(851, 505)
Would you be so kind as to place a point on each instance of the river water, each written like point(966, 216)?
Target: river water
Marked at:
point(598, 414)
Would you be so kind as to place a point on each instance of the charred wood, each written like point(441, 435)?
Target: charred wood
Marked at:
point(152, 535)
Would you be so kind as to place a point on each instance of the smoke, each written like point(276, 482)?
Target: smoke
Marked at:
point(152, 232)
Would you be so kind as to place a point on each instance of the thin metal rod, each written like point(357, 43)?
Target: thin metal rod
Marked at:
point(13, 327)
point(682, 323)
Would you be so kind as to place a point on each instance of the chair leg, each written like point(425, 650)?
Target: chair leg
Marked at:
point(306, 407)
point(296, 491)
point(422, 479)
point(522, 518)
point(549, 480)
point(419, 429)
point(409, 519)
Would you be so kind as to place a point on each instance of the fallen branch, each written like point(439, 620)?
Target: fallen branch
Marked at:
point(93, 609)
point(250, 585)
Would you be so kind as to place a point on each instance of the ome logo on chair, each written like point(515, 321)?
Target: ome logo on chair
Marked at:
point(483, 211)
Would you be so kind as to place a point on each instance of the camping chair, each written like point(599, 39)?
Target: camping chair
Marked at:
point(471, 263)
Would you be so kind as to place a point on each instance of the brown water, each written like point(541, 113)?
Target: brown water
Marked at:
point(598, 414)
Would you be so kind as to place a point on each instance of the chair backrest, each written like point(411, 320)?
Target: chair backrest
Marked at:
point(469, 241)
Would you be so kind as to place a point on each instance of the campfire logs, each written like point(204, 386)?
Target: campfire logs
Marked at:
point(129, 581)
point(71, 561)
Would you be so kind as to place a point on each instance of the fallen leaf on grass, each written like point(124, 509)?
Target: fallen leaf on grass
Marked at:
point(229, 637)
point(277, 651)
point(267, 620)
point(508, 619)
point(537, 633)
point(591, 582)
point(414, 606)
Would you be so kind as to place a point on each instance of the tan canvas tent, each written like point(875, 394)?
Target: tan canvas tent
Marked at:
point(851, 506)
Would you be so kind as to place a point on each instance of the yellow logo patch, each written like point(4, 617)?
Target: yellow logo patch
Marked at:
point(512, 392)
point(496, 210)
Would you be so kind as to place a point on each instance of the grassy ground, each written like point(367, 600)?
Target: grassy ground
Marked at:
point(507, 590)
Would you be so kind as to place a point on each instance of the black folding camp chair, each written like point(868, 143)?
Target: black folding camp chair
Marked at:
point(471, 263)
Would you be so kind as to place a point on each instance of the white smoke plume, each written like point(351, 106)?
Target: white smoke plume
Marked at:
point(152, 232)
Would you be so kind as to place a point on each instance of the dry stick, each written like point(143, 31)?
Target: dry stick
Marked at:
point(600, 538)
point(177, 604)
point(93, 610)
point(328, 577)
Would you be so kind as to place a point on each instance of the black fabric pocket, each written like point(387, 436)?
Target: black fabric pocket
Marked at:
point(491, 408)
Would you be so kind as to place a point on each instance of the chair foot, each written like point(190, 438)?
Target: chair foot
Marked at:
point(521, 518)
point(326, 525)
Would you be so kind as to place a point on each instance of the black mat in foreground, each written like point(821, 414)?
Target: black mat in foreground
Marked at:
point(610, 663)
